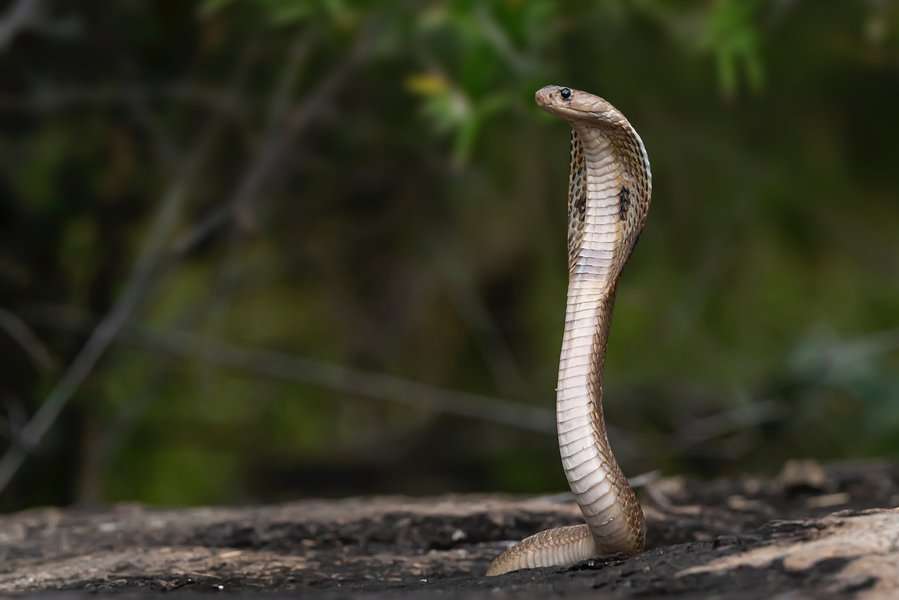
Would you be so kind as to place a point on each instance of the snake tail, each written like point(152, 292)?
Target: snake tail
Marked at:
point(549, 548)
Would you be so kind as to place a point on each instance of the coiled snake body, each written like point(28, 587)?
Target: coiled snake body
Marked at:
point(608, 198)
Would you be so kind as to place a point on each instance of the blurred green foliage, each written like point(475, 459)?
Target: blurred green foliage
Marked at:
point(413, 225)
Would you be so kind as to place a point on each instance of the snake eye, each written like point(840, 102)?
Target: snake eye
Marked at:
point(565, 93)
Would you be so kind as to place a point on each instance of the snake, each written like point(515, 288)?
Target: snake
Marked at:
point(609, 190)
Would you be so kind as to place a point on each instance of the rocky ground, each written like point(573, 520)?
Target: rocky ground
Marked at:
point(810, 532)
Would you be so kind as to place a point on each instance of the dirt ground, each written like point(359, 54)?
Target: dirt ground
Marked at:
point(811, 532)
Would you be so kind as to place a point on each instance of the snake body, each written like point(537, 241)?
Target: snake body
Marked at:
point(608, 199)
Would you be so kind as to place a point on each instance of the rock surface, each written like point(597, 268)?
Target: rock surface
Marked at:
point(811, 532)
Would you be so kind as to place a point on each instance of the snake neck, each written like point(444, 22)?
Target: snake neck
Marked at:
point(599, 244)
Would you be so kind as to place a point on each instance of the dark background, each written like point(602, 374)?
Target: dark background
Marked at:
point(260, 250)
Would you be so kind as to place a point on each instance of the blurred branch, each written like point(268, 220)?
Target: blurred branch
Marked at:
point(740, 418)
point(162, 143)
point(279, 104)
point(499, 39)
point(100, 339)
point(815, 363)
point(20, 16)
point(15, 418)
point(491, 342)
point(152, 255)
point(121, 425)
point(224, 101)
point(858, 350)
point(279, 137)
point(20, 333)
point(104, 447)
point(288, 367)
point(298, 369)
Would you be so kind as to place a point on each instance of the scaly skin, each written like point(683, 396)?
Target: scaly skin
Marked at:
point(608, 200)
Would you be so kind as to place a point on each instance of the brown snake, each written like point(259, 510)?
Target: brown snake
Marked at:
point(608, 198)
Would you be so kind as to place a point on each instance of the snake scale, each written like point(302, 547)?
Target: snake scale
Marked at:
point(608, 199)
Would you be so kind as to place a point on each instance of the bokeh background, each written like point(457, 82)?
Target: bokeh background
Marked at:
point(260, 250)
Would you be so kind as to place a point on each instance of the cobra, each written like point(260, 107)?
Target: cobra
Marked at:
point(609, 190)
